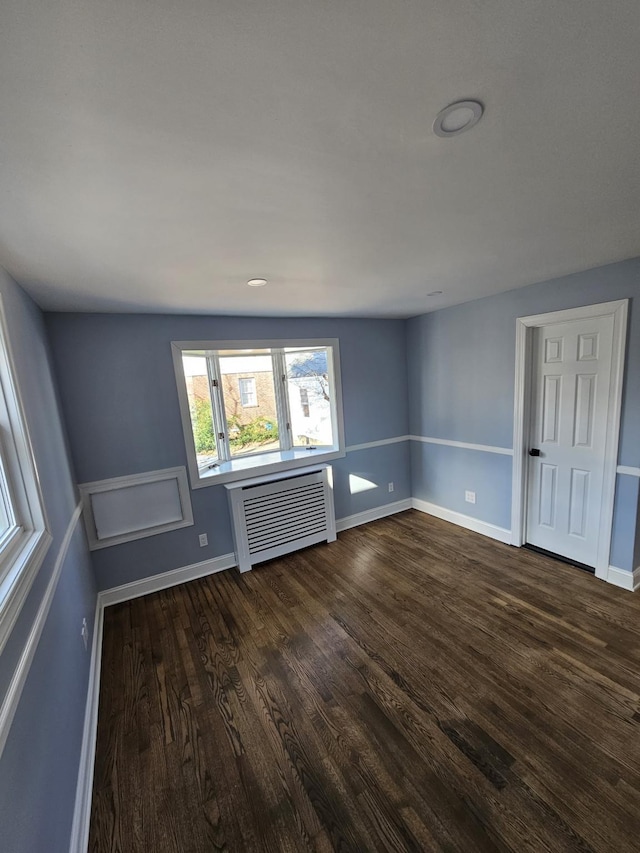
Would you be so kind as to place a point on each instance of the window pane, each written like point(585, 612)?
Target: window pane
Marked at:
point(7, 513)
point(248, 396)
point(310, 396)
point(199, 395)
point(5, 523)
point(250, 403)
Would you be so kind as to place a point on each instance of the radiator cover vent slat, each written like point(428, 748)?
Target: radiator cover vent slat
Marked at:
point(255, 531)
point(272, 517)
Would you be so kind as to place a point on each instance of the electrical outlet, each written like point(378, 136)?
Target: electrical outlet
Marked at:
point(470, 497)
point(203, 539)
point(84, 633)
point(390, 487)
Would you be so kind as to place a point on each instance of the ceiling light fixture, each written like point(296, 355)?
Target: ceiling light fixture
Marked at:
point(257, 282)
point(458, 117)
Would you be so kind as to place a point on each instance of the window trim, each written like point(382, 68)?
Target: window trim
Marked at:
point(251, 464)
point(252, 393)
point(22, 561)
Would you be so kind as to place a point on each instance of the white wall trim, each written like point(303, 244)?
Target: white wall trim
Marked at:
point(155, 583)
point(521, 416)
point(426, 439)
point(135, 589)
point(485, 448)
point(372, 514)
point(625, 580)
point(21, 672)
point(128, 591)
point(84, 787)
point(353, 448)
point(87, 490)
point(483, 527)
point(629, 470)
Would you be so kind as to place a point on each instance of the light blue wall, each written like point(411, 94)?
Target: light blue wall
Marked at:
point(447, 375)
point(460, 364)
point(39, 765)
point(438, 471)
point(625, 518)
point(119, 396)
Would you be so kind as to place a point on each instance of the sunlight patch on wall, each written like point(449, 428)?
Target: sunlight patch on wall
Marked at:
point(360, 484)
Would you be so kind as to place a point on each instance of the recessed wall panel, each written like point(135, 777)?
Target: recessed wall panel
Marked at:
point(132, 507)
point(136, 507)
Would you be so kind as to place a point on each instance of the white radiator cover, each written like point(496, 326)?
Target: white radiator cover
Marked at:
point(275, 515)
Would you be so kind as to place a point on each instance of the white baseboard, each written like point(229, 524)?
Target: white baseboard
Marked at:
point(82, 812)
point(372, 514)
point(483, 527)
point(84, 786)
point(18, 680)
point(618, 577)
point(172, 578)
point(135, 589)
point(621, 578)
point(115, 595)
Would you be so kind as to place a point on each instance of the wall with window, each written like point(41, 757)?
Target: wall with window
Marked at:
point(39, 763)
point(119, 395)
point(461, 363)
point(249, 396)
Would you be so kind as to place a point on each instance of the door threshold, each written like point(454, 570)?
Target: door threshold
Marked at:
point(560, 558)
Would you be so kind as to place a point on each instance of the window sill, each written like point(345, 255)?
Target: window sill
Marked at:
point(17, 583)
point(264, 463)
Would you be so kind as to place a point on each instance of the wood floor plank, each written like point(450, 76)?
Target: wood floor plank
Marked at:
point(410, 687)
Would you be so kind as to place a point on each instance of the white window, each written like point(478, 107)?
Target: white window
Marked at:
point(248, 396)
point(230, 428)
point(24, 538)
point(304, 402)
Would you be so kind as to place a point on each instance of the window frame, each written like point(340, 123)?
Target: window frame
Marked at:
point(258, 462)
point(29, 539)
point(252, 393)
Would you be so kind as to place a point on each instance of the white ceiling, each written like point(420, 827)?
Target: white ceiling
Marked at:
point(156, 155)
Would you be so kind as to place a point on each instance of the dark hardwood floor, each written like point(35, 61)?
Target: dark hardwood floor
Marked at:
point(412, 686)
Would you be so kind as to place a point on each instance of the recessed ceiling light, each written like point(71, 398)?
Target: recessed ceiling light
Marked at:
point(435, 293)
point(257, 282)
point(458, 117)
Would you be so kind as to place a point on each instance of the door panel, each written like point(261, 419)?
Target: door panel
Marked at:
point(588, 347)
point(579, 502)
point(547, 498)
point(551, 408)
point(553, 350)
point(571, 365)
point(583, 419)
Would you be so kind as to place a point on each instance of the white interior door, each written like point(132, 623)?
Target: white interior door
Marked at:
point(570, 378)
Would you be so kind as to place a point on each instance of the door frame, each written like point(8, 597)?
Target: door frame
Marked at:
point(522, 414)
